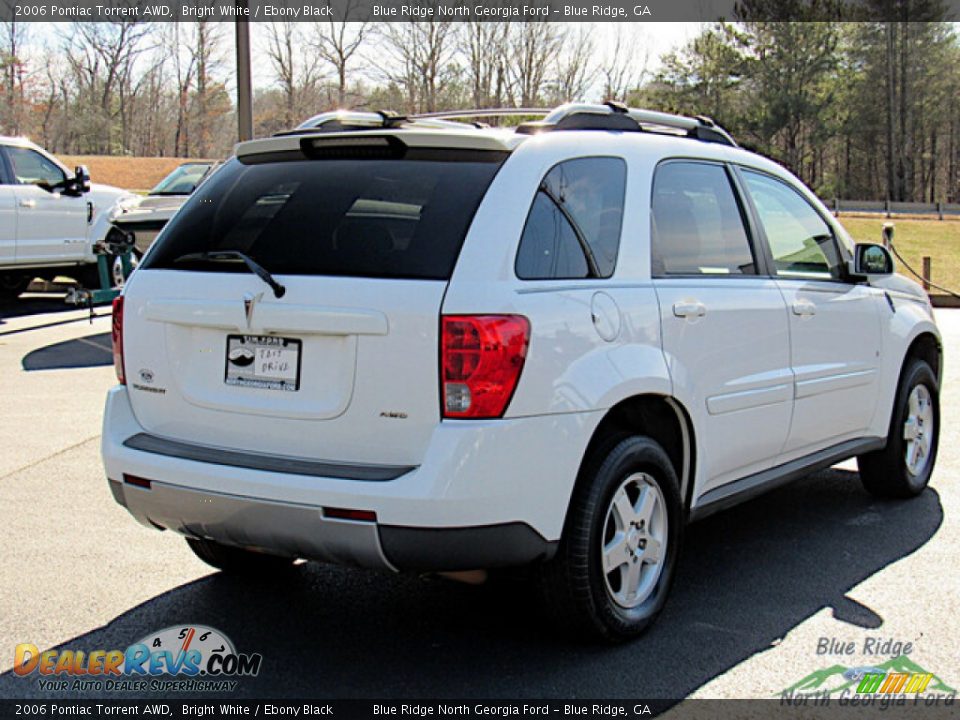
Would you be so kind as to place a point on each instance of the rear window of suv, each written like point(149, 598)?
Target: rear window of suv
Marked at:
point(355, 216)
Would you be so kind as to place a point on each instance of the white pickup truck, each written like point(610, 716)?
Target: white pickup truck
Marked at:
point(50, 217)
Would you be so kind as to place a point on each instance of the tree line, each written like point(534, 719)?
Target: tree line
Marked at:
point(150, 89)
point(865, 110)
point(859, 110)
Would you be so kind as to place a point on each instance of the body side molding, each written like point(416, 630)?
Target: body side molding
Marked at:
point(746, 488)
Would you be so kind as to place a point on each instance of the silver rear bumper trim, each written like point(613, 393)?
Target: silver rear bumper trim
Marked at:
point(299, 531)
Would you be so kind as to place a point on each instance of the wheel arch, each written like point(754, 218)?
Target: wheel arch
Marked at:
point(661, 418)
point(925, 346)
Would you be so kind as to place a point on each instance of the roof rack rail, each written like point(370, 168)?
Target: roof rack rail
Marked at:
point(482, 113)
point(616, 116)
point(611, 115)
point(346, 120)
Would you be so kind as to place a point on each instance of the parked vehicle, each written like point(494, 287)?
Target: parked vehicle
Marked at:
point(50, 217)
point(146, 219)
point(411, 344)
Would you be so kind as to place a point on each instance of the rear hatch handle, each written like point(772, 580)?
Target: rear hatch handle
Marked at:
point(231, 255)
point(270, 317)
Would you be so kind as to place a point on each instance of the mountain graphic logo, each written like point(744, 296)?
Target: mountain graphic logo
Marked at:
point(898, 674)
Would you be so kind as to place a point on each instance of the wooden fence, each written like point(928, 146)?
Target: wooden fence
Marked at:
point(890, 208)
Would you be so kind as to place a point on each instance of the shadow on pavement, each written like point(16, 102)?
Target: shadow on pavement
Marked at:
point(34, 304)
point(91, 351)
point(747, 577)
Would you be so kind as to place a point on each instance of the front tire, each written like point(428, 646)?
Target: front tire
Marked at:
point(616, 561)
point(903, 468)
point(237, 561)
point(12, 285)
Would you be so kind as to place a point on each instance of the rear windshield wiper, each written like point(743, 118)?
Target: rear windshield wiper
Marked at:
point(215, 255)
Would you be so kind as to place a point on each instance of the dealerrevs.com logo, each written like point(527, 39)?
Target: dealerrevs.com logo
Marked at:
point(188, 658)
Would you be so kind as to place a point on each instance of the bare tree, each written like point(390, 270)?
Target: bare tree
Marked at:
point(208, 60)
point(150, 110)
point(624, 67)
point(418, 58)
point(338, 43)
point(196, 55)
point(575, 70)
point(55, 102)
point(184, 66)
point(484, 47)
point(533, 50)
point(13, 37)
point(102, 56)
point(296, 72)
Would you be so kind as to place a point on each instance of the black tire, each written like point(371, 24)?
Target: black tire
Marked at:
point(575, 589)
point(12, 285)
point(237, 561)
point(87, 276)
point(885, 473)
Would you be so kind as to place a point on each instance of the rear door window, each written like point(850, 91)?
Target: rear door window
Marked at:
point(573, 229)
point(697, 225)
point(357, 216)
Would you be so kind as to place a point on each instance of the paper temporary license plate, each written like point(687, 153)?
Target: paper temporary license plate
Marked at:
point(263, 361)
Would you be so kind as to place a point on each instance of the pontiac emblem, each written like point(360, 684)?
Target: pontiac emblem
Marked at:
point(249, 302)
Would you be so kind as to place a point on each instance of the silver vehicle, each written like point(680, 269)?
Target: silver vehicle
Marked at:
point(147, 218)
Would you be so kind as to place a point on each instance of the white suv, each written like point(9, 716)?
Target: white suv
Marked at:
point(414, 344)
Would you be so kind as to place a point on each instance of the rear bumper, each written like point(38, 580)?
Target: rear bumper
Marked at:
point(487, 494)
point(304, 532)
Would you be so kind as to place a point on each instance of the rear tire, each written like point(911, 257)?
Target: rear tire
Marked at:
point(88, 276)
point(616, 560)
point(12, 285)
point(903, 468)
point(237, 561)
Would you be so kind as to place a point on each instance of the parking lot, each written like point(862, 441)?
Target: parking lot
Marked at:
point(758, 588)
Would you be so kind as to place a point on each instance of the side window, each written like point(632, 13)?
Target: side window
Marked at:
point(573, 229)
point(800, 240)
point(32, 168)
point(4, 175)
point(697, 225)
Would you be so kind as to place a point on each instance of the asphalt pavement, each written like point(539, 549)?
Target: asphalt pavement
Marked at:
point(758, 589)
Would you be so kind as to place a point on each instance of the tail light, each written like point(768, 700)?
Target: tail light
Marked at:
point(117, 337)
point(481, 357)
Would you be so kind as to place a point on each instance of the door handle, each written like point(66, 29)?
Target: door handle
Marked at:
point(689, 309)
point(804, 308)
point(28, 203)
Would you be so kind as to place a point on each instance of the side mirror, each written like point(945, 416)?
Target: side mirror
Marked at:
point(870, 260)
point(81, 179)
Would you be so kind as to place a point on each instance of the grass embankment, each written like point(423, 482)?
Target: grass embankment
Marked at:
point(137, 174)
point(940, 239)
